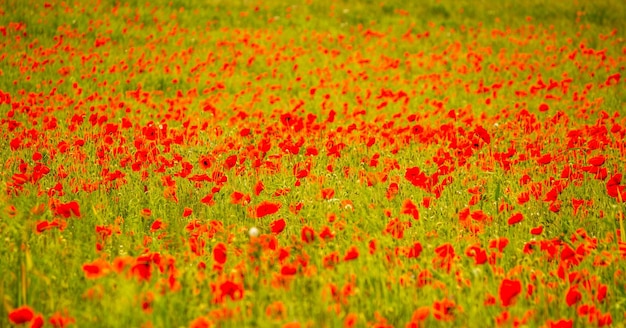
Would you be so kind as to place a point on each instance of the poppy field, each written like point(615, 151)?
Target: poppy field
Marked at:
point(312, 163)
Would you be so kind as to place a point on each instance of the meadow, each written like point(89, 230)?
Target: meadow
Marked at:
point(312, 164)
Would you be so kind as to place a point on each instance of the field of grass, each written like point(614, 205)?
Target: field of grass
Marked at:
point(312, 164)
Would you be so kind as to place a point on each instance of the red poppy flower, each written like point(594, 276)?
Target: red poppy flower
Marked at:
point(508, 290)
point(219, 253)
point(499, 243)
point(21, 315)
point(601, 294)
point(516, 218)
point(445, 257)
point(239, 198)
point(277, 226)
point(328, 193)
point(545, 159)
point(414, 251)
point(408, 207)
point(597, 160)
point(479, 254)
point(479, 215)
point(613, 187)
point(563, 323)
point(156, 225)
point(231, 289)
point(288, 270)
point(331, 260)
point(295, 208)
point(420, 315)
point(392, 191)
point(266, 208)
point(443, 310)
point(416, 177)
point(573, 295)
point(96, 269)
point(142, 270)
point(351, 254)
point(205, 162)
point(66, 210)
point(537, 230)
point(61, 321)
point(258, 188)
point(445, 251)
point(395, 228)
point(483, 134)
point(146, 212)
point(350, 320)
point(555, 206)
point(326, 233)
point(288, 119)
point(208, 200)
point(372, 246)
point(307, 234)
point(37, 322)
point(230, 161)
point(613, 79)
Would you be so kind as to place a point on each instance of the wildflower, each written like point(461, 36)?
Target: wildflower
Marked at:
point(443, 310)
point(307, 234)
point(96, 269)
point(352, 254)
point(563, 323)
point(253, 232)
point(573, 295)
point(508, 290)
point(350, 320)
point(408, 207)
point(258, 188)
point(219, 253)
point(499, 243)
point(516, 218)
point(61, 321)
point(21, 315)
point(266, 208)
point(277, 226)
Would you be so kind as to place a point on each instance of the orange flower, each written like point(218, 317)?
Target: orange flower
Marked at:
point(443, 310)
point(420, 315)
point(276, 310)
point(307, 234)
point(61, 321)
point(11, 211)
point(96, 269)
point(201, 322)
point(350, 320)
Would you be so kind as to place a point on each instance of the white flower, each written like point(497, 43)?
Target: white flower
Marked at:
point(253, 232)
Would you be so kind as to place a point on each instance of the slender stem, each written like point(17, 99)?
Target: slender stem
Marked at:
point(621, 217)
